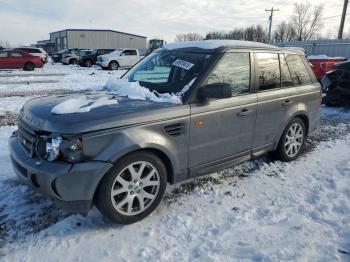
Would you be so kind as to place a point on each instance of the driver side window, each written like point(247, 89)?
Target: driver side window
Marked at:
point(233, 69)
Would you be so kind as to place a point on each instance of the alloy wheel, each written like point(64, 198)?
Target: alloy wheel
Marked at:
point(294, 140)
point(135, 188)
point(114, 66)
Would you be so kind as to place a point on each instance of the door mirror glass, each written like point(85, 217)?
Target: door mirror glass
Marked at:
point(215, 90)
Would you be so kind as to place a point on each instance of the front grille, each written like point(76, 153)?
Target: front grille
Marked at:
point(27, 137)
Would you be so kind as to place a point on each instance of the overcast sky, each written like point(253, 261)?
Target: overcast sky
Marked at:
point(26, 21)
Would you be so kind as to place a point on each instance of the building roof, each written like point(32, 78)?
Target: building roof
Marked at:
point(214, 44)
point(98, 30)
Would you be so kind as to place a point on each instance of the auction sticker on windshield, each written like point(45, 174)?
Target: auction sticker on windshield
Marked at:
point(183, 64)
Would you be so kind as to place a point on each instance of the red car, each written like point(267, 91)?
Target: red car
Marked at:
point(322, 64)
point(15, 59)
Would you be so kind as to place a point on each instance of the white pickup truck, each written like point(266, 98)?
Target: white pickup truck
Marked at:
point(120, 58)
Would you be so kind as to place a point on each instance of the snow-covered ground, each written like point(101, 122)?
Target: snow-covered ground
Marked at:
point(261, 210)
point(55, 77)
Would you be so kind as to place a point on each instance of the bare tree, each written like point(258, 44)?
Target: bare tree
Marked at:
point(4, 44)
point(306, 20)
point(188, 37)
point(250, 33)
point(284, 32)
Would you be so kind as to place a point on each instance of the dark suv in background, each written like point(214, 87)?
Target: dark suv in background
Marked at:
point(90, 59)
point(236, 100)
point(57, 57)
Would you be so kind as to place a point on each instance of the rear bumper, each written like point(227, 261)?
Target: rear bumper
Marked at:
point(72, 186)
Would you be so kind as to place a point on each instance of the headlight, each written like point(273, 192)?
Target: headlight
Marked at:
point(53, 148)
point(68, 149)
point(73, 150)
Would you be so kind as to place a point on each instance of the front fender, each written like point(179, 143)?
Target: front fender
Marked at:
point(111, 146)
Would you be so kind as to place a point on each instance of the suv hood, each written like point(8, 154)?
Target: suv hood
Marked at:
point(37, 113)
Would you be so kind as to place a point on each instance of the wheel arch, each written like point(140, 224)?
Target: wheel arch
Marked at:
point(303, 116)
point(156, 151)
point(114, 60)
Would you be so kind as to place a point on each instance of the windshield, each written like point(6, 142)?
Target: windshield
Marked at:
point(168, 71)
point(82, 53)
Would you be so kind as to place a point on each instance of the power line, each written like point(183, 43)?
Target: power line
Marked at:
point(332, 16)
point(270, 19)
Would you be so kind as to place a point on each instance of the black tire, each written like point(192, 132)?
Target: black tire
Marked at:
point(281, 151)
point(103, 198)
point(113, 65)
point(73, 61)
point(88, 63)
point(29, 66)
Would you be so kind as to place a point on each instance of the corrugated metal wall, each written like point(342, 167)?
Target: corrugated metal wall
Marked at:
point(104, 39)
point(334, 47)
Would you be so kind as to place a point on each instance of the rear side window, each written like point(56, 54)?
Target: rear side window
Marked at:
point(268, 71)
point(286, 78)
point(3, 54)
point(300, 75)
point(16, 54)
point(233, 69)
point(130, 52)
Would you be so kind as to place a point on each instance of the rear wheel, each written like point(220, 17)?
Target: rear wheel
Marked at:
point(292, 140)
point(113, 65)
point(29, 66)
point(133, 188)
point(88, 63)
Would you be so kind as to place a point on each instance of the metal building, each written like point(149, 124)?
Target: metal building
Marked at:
point(332, 47)
point(93, 38)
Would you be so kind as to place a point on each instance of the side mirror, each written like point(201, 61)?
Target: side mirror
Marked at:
point(215, 90)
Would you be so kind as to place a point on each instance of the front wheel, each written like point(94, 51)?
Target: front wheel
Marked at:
point(73, 61)
point(292, 140)
point(133, 188)
point(113, 65)
point(28, 67)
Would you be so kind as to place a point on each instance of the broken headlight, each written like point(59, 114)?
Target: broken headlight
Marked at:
point(53, 148)
point(70, 150)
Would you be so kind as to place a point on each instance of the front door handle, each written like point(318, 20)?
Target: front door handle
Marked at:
point(244, 112)
point(287, 102)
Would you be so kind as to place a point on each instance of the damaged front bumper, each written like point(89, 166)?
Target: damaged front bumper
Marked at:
point(71, 185)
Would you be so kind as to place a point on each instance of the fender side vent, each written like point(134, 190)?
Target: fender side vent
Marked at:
point(175, 130)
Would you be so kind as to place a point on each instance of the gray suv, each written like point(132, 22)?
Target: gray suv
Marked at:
point(240, 100)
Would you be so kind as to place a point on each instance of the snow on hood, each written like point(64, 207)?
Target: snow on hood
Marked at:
point(82, 104)
point(133, 90)
point(119, 87)
point(212, 44)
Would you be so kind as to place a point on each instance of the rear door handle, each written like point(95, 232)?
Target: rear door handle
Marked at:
point(287, 102)
point(244, 112)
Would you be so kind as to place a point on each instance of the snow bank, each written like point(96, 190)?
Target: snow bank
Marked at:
point(133, 90)
point(212, 44)
point(324, 57)
point(82, 104)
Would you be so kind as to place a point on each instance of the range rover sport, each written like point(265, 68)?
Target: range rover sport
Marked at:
point(239, 100)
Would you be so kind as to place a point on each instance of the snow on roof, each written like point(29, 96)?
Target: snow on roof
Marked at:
point(213, 44)
point(321, 57)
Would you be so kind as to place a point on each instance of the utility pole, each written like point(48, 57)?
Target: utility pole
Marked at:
point(270, 19)
point(342, 21)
